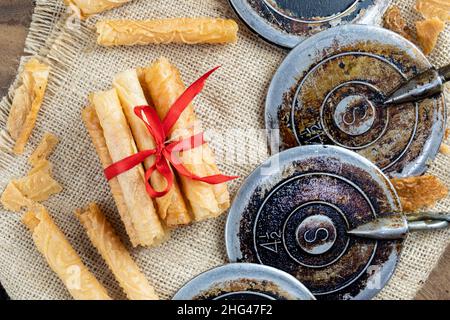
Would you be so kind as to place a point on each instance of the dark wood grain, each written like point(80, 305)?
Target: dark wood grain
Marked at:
point(14, 22)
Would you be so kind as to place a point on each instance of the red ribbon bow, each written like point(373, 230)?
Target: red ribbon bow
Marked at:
point(163, 152)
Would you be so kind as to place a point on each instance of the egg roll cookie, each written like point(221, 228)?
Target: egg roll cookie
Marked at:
point(116, 256)
point(61, 257)
point(165, 86)
point(27, 102)
point(178, 30)
point(85, 8)
point(171, 207)
point(96, 132)
point(120, 143)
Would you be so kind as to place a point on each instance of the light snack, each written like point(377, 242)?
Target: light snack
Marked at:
point(108, 244)
point(85, 8)
point(178, 30)
point(26, 103)
point(44, 149)
point(164, 83)
point(393, 20)
point(37, 186)
point(171, 207)
point(417, 193)
point(61, 257)
point(434, 8)
point(96, 132)
point(428, 32)
point(120, 143)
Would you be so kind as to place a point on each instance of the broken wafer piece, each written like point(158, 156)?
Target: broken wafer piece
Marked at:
point(178, 30)
point(44, 149)
point(418, 193)
point(394, 21)
point(86, 8)
point(26, 103)
point(434, 8)
point(428, 32)
point(105, 240)
point(37, 186)
point(61, 257)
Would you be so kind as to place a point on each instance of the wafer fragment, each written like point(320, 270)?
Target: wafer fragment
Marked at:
point(96, 132)
point(85, 8)
point(165, 86)
point(116, 256)
point(428, 32)
point(44, 149)
point(418, 193)
point(178, 30)
point(393, 20)
point(434, 8)
point(171, 207)
point(26, 103)
point(61, 257)
point(37, 186)
point(120, 143)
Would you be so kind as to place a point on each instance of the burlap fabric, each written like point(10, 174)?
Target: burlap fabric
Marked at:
point(231, 103)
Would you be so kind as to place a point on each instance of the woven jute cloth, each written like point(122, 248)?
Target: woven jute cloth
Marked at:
point(232, 104)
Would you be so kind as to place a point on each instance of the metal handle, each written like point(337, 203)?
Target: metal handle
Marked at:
point(428, 225)
point(444, 72)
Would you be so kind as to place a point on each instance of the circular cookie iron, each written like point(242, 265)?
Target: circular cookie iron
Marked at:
point(244, 281)
point(288, 22)
point(331, 89)
point(295, 212)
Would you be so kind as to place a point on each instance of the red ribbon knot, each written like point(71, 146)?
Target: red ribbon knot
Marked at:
point(167, 153)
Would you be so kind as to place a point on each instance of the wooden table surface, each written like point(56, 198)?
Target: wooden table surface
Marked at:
point(14, 22)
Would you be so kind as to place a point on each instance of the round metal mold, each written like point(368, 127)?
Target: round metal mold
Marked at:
point(331, 88)
point(244, 281)
point(288, 22)
point(294, 211)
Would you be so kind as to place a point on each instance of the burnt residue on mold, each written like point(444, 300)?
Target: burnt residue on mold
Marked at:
point(244, 289)
point(344, 193)
point(304, 18)
point(395, 136)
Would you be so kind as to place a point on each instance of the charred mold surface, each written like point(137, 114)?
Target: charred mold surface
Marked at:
point(299, 225)
point(304, 18)
point(338, 101)
point(244, 289)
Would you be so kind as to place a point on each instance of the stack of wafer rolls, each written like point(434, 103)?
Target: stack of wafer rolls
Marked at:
point(164, 84)
point(142, 222)
point(118, 133)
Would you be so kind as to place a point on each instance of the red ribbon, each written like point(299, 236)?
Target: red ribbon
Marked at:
point(163, 152)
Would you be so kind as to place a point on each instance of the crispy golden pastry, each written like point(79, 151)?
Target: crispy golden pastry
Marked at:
point(108, 244)
point(428, 32)
point(96, 132)
point(165, 85)
point(85, 8)
point(178, 30)
point(171, 208)
point(434, 8)
point(61, 257)
point(44, 149)
point(12, 198)
point(393, 20)
point(26, 103)
point(444, 149)
point(120, 143)
point(37, 186)
point(419, 192)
